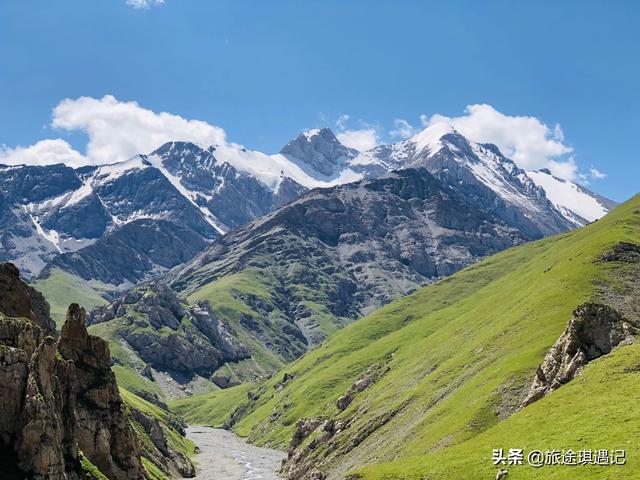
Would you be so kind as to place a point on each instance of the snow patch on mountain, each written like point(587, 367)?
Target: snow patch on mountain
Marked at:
point(497, 173)
point(430, 138)
point(192, 197)
point(570, 198)
point(106, 173)
point(270, 170)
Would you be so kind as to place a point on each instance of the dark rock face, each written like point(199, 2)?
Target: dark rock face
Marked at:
point(132, 253)
point(88, 218)
point(58, 398)
point(103, 431)
point(232, 197)
point(342, 252)
point(594, 331)
point(147, 190)
point(47, 438)
point(37, 183)
point(287, 192)
point(160, 451)
point(17, 299)
point(622, 252)
point(169, 334)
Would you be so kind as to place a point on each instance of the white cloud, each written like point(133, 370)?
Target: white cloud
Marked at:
point(144, 4)
point(116, 131)
point(44, 152)
point(526, 140)
point(361, 140)
point(597, 174)
point(341, 122)
point(402, 129)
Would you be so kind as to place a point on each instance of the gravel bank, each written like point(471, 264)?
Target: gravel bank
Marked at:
point(225, 456)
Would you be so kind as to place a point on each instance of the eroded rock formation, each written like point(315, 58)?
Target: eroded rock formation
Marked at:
point(170, 334)
point(19, 300)
point(594, 331)
point(315, 440)
point(57, 397)
point(103, 430)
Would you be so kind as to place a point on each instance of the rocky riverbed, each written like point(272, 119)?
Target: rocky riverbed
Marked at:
point(225, 456)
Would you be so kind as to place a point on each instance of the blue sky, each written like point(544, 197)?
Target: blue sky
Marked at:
point(265, 70)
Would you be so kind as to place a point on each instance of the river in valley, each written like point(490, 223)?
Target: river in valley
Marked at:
point(225, 456)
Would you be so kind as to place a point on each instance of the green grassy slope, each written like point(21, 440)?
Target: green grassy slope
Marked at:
point(595, 411)
point(225, 298)
point(61, 288)
point(259, 301)
point(213, 408)
point(460, 353)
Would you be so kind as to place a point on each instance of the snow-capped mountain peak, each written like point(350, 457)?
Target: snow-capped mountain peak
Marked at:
point(318, 151)
point(431, 137)
point(212, 190)
point(310, 134)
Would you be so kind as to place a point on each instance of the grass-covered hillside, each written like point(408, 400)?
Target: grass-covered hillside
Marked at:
point(435, 380)
point(59, 287)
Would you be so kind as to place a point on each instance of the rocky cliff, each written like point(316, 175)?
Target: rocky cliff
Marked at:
point(595, 330)
point(61, 408)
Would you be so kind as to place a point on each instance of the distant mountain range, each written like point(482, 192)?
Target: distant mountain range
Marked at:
point(54, 210)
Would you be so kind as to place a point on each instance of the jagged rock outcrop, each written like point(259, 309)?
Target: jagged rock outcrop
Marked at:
point(371, 376)
point(36, 400)
point(170, 334)
point(19, 300)
point(310, 433)
point(594, 330)
point(58, 398)
point(320, 151)
point(626, 252)
point(103, 430)
point(46, 441)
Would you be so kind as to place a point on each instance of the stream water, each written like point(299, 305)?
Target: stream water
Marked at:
point(225, 456)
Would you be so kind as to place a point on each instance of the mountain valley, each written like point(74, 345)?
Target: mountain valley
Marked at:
point(352, 307)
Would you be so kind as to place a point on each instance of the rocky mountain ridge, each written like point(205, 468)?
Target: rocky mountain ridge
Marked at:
point(338, 253)
point(49, 211)
point(169, 336)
